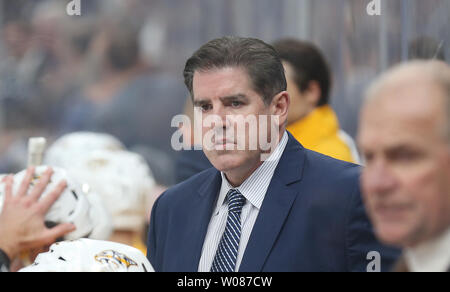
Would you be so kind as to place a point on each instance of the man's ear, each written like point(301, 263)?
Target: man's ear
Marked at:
point(280, 106)
point(313, 93)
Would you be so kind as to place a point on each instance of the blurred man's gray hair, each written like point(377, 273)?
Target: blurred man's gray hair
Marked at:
point(436, 72)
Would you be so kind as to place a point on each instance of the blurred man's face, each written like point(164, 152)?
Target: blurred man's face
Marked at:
point(16, 39)
point(226, 97)
point(406, 181)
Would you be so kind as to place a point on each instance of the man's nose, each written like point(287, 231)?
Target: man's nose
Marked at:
point(378, 178)
point(221, 116)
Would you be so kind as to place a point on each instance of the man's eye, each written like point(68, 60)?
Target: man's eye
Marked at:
point(206, 107)
point(405, 156)
point(368, 157)
point(236, 103)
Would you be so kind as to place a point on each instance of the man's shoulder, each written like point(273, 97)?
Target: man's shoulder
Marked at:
point(320, 162)
point(315, 169)
point(313, 159)
point(189, 187)
point(327, 173)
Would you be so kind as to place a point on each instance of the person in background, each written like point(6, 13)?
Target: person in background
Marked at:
point(131, 99)
point(404, 138)
point(311, 119)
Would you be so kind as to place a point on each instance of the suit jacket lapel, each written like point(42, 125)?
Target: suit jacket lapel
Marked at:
point(195, 232)
point(277, 203)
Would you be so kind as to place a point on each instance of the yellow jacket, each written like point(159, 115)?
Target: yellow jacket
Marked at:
point(319, 131)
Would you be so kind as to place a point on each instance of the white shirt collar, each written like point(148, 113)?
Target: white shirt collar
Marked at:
point(431, 256)
point(254, 188)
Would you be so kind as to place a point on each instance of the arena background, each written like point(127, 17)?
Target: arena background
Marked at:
point(117, 67)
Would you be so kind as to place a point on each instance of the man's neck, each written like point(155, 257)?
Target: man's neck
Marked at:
point(432, 256)
point(237, 176)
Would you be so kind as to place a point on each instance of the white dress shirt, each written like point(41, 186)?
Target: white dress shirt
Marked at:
point(431, 256)
point(254, 190)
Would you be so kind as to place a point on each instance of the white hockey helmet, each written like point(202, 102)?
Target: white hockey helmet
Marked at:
point(66, 149)
point(99, 215)
point(123, 180)
point(88, 255)
point(71, 207)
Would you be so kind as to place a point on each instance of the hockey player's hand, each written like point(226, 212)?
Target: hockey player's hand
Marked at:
point(22, 218)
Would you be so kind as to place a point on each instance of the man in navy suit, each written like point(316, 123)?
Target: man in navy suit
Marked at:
point(273, 207)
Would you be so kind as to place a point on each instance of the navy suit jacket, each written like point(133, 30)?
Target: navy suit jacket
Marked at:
point(312, 219)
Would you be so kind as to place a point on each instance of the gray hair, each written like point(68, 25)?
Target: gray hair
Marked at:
point(437, 72)
point(259, 59)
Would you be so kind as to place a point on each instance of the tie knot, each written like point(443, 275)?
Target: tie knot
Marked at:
point(235, 201)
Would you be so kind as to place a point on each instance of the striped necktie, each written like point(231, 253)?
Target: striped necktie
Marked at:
point(226, 255)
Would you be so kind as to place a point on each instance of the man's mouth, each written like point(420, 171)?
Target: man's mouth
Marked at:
point(223, 142)
point(392, 211)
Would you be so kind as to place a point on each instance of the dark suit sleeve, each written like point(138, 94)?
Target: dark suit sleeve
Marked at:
point(152, 238)
point(361, 240)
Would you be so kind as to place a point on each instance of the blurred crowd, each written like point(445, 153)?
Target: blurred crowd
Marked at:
point(61, 74)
